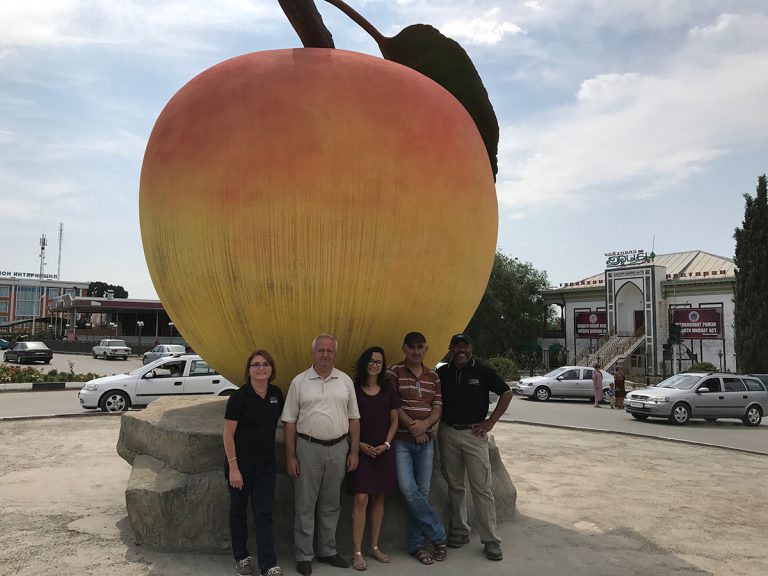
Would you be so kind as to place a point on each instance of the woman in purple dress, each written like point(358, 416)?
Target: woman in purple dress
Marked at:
point(376, 474)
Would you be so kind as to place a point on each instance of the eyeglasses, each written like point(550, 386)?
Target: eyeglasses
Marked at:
point(259, 365)
point(375, 362)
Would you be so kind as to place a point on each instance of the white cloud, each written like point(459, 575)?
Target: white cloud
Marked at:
point(625, 129)
point(486, 29)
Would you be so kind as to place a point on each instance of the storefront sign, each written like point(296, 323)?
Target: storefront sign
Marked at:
point(7, 274)
point(698, 323)
point(591, 324)
point(628, 258)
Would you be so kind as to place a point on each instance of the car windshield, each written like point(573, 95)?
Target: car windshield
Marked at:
point(36, 346)
point(680, 382)
point(554, 373)
point(175, 348)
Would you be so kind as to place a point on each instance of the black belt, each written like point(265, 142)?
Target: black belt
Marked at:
point(460, 426)
point(309, 438)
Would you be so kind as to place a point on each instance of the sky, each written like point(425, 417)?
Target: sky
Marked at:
point(624, 124)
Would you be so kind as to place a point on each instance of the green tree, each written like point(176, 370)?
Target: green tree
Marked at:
point(751, 299)
point(511, 314)
point(99, 290)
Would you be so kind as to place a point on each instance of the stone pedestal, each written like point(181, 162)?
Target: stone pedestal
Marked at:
point(177, 495)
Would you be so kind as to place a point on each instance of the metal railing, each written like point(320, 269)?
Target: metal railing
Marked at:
point(611, 349)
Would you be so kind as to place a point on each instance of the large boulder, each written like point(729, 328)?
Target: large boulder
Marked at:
point(177, 495)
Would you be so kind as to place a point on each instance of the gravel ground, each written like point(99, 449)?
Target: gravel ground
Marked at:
point(588, 504)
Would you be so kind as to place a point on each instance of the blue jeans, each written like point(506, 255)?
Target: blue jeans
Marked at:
point(414, 475)
point(259, 488)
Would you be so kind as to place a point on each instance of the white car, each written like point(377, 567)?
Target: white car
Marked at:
point(111, 348)
point(566, 381)
point(175, 376)
point(162, 351)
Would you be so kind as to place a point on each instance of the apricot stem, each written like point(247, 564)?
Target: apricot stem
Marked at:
point(359, 20)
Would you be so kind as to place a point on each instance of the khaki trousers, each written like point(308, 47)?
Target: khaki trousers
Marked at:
point(317, 497)
point(463, 454)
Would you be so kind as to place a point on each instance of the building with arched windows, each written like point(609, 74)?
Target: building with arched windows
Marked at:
point(652, 314)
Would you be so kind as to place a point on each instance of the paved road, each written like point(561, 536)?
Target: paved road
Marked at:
point(581, 414)
point(575, 413)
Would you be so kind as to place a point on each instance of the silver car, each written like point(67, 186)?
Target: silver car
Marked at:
point(566, 381)
point(701, 395)
point(161, 351)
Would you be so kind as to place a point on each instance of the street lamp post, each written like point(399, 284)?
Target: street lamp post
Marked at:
point(140, 325)
point(114, 325)
point(170, 325)
point(720, 355)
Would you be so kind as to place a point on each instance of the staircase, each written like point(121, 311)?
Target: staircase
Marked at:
point(612, 348)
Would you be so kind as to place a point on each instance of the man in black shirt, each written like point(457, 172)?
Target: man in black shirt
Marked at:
point(463, 439)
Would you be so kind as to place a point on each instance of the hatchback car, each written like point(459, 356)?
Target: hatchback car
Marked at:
point(161, 351)
point(698, 395)
point(566, 381)
point(23, 352)
point(174, 376)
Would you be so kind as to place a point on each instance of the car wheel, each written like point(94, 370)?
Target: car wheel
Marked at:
point(105, 356)
point(542, 394)
point(94, 355)
point(114, 401)
point(680, 414)
point(46, 361)
point(753, 416)
point(607, 396)
point(641, 417)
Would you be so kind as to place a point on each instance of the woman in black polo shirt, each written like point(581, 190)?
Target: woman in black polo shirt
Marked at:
point(249, 442)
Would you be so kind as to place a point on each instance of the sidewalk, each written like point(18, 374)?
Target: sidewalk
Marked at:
point(589, 504)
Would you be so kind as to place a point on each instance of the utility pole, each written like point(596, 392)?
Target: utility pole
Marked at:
point(38, 295)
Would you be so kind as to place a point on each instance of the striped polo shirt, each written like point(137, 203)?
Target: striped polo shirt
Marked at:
point(418, 395)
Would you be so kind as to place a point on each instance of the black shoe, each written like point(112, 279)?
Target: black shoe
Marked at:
point(457, 540)
point(304, 567)
point(334, 560)
point(493, 551)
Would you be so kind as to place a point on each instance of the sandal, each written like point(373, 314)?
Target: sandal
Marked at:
point(423, 556)
point(358, 562)
point(441, 552)
point(379, 555)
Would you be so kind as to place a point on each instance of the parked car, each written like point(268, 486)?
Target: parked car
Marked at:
point(161, 351)
point(566, 382)
point(24, 351)
point(4, 344)
point(701, 395)
point(110, 348)
point(173, 376)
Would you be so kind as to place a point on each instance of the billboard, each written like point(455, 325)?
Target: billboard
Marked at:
point(699, 323)
point(591, 324)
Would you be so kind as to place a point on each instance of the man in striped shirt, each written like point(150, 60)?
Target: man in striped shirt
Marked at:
point(419, 390)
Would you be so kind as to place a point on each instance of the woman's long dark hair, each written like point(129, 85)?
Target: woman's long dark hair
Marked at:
point(361, 367)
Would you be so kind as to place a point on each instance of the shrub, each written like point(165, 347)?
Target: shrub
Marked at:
point(702, 367)
point(505, 367)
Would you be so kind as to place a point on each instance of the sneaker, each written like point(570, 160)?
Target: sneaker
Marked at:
point(457, 540)
point(304, 567)
point(335, 560)
point(493, 551)
point(274, 571)
point(244, 566)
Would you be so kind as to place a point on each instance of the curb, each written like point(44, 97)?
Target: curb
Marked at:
point(39, 386)
point(637, 435)
point(57, 416)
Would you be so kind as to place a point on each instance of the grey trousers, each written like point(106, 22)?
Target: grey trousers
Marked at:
point(317, 496)
point(460, 452)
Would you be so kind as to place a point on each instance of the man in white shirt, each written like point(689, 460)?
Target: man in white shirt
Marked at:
point(320, 414)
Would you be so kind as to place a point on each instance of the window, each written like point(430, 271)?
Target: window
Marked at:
point(587, 374)
point(734, 385)
point(26, 300)
point(712, 383)
point(3, 306)
point(53, 292)
point(201, 368)
point(72, 291)
point(5, 291)
point(754, 385)
point(570, 375)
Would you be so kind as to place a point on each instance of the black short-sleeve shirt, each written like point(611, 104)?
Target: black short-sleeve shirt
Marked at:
point(257, 420)
point(466, 391)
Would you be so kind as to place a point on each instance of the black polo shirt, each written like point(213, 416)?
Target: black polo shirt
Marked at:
point(466, 391)
point(257, 420)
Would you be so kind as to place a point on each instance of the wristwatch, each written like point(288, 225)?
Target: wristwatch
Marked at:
point(387, 444)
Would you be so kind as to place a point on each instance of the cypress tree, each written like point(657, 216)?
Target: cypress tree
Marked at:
point(751, 298)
